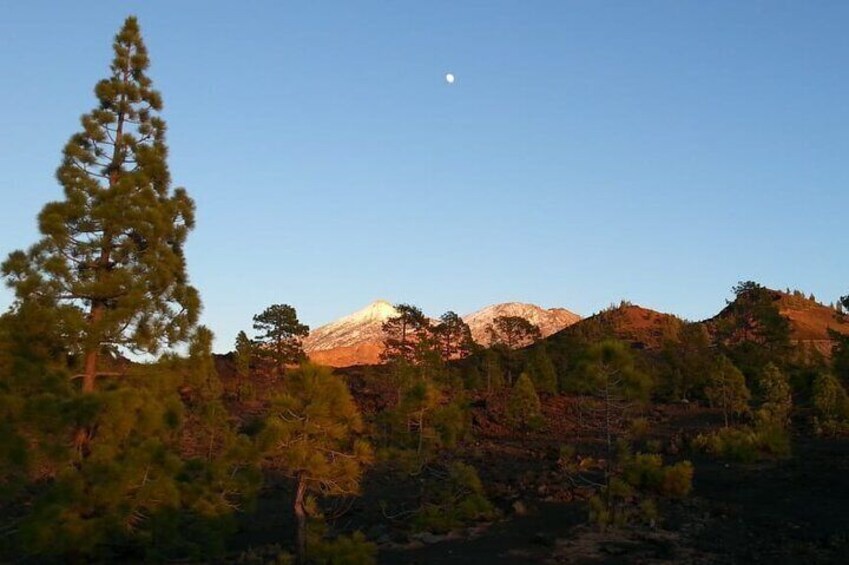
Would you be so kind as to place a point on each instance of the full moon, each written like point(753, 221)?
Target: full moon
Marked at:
point(449, 78)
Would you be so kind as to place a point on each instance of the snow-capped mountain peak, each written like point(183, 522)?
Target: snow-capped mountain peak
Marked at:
point(377, 310)
point(365, 324)
point(549, 321)
point(358, 338)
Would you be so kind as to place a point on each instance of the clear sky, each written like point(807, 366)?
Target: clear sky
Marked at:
point(587, 152)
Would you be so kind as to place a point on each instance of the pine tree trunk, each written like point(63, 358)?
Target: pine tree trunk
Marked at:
point(301, 522)
point(90, 373)
point(278, 351)
point(92, 355)
point(98, 308)
point(608, 472)
point(421, 430)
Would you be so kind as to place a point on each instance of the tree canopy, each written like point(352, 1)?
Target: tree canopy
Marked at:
point(513, 332)
point(454, 336)
point(312, 435)
point(404, 334)
point(280, 335)
point(111, 254)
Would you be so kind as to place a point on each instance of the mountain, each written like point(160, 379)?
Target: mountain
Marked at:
point(357, 339)
point(549, 321)
point(641, 327)
point(362, 326)
point(810, 322)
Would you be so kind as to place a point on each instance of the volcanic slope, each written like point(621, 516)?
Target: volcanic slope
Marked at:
point(810, 322)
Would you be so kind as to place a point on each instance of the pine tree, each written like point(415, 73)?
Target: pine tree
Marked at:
point(418, 402)
point(840, 351)
point(221, 466)
point(36, 404)
point(618, 386)
point(244, 354)
point(686, 359)
point(403, 334)
point(524, 406)
point(508, 334)
point(831, 405)
point(454, 337)
point(161, 459)
point(492, 370)
point(280, 337)
point(614, 380)
point(752, 332)
point(112, 250)
point(776, 401)
point(312, 436)
point(244, 358)
point(542, 370)
point(726, 389)
point(513, 332)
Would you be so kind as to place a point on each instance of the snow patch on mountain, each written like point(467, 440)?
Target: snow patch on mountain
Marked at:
point(549, 321)
point(364, 325)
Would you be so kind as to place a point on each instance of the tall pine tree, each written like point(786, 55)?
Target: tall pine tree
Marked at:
point(111, 256)
point(280, 338)
point(403, 333)
point(454, 336)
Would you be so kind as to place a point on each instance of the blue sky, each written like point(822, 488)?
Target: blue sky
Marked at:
point(587, 152)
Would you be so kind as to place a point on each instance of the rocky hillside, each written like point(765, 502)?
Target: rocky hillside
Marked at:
point(641, 327)
point(810, 321)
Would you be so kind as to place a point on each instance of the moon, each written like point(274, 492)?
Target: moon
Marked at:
point(449, 78)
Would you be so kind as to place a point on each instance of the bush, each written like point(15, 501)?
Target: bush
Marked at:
point(630, 496)
point(678, 480)
point(647, 473)
point(728, 443)
point(451, 423)
point(619, 505)
point(344, 550)
point(745, 444)
point(773, 440)
point(640, 428)
point(454, 500)
point(265, 555)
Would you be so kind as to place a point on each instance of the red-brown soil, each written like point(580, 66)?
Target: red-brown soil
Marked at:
point(641, 327)
point(811, 322)
point(361, 354)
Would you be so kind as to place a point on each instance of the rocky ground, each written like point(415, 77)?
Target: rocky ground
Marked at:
point(786, 511)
